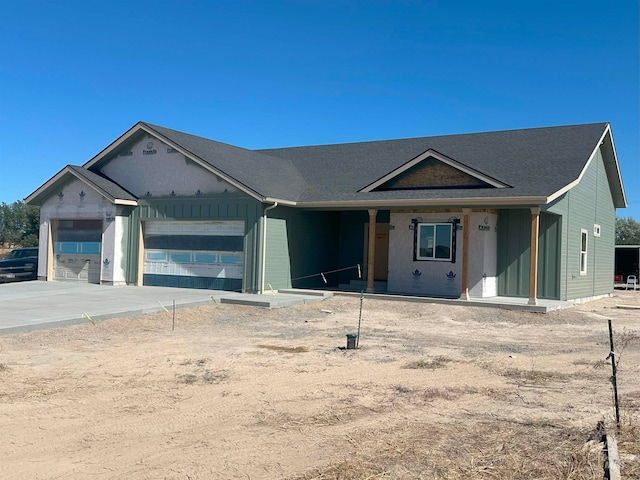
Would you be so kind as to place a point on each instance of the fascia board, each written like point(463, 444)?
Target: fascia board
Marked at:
point(280, 201)
point(506, 201)
point(48, 184)
point(617, 167)
point(443, 158)
point(569, 186)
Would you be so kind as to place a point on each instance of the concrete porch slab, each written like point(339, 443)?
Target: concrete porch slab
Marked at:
point(509, 303)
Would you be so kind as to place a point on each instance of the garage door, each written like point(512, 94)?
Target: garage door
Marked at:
point(194, 254)
point(76, 248)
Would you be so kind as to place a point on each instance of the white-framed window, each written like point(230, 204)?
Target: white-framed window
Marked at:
point(434, 241)
point(596, 230)
point(584, 235)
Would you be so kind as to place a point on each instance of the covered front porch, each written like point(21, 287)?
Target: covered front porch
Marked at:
point(450, 253)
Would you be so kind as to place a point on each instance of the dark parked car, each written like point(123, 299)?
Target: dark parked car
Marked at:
point(19, 264)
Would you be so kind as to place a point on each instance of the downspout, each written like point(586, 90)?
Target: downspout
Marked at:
point(264, 245)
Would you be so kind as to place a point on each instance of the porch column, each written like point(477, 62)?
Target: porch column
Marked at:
point(533, 274)
point(466, 226)
point(371, 250)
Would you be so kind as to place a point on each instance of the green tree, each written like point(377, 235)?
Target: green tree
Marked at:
point(19, 224)
point(627, 231)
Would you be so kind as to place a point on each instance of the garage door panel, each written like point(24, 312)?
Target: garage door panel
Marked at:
point(194, 254)
point(194, 242)
point(77, 251)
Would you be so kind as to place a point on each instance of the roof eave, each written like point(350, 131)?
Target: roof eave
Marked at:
point(421, 202)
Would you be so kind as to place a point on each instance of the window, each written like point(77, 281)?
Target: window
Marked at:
point(596, 230)
point(434, 241)
point(583, 251)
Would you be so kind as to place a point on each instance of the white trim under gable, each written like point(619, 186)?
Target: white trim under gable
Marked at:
point(605, 135)
point(442, 158)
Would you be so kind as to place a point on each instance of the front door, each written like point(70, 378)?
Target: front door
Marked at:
point(381, 255)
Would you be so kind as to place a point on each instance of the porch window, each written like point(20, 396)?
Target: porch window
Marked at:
point(434, 241)
point(583, 251)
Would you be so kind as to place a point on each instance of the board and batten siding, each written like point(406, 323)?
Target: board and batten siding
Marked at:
point(514, 246)
point(224, 206)
point(309, 241)
point(277, 259)
point(587, 204)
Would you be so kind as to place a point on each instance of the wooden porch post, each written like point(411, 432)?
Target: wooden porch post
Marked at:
point(533, 274)
point(371, 250)
point(466, 226)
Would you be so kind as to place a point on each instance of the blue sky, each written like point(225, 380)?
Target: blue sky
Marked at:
point(74, 75)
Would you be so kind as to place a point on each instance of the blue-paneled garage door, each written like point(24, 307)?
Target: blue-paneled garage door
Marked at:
point(194, 254)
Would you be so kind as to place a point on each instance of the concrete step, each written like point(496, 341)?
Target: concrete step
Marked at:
point(303, 291)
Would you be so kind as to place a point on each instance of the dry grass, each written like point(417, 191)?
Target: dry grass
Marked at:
point(324, 418)
point(277, 348)
point(456, 452)
point(477, 394)
point(534, 377)
point(628, 438)
point(429, 363)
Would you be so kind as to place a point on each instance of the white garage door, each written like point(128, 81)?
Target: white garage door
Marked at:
point(194, 254)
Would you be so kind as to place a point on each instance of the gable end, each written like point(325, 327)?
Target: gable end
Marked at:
point(433, 170)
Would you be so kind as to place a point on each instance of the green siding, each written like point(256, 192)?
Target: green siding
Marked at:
point(549, 256)
point(514, 257)
point(278, 261)
point(589, 203)
point(303, 243)
point(604, 248)
point(133, 241)
point(311, 240)
point(514, 239)
point(560, 208)
point(219, 207)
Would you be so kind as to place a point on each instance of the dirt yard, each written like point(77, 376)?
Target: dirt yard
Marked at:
point(432, 392)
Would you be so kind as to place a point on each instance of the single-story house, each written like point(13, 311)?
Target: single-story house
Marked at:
point(525, 213)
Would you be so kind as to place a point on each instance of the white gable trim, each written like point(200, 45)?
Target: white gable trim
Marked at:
point(605, 135)
point(444, 159)
point(69, 171)
point(140, 126)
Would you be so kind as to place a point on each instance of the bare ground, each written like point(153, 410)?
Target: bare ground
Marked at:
point(434, 391)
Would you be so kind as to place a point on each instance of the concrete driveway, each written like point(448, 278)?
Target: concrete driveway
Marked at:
point(33, 305)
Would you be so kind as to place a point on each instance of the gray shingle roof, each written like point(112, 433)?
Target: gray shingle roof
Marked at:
point(107, 186)
point(534, 162)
